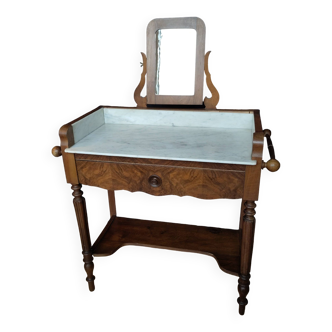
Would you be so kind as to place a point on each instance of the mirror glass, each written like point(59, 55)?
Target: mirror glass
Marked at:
point(175, 65)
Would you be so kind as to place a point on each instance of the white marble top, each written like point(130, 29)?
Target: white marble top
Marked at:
point(221, 137)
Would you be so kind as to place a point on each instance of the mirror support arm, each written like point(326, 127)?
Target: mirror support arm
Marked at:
point(210, 103)
point(141, 101)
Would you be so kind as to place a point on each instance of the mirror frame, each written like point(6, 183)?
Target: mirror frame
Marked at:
point(175, 23)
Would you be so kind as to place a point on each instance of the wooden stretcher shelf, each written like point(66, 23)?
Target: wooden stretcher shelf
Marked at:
point(222, 244)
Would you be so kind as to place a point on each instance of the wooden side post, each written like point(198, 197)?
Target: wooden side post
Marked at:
point(79, 202)
point(248, 230)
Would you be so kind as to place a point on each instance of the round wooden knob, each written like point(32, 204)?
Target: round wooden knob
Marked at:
point(272, 165)
point(56, 151)
point(155, 181)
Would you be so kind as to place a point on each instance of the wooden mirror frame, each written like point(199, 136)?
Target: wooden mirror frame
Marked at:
point(175, 23)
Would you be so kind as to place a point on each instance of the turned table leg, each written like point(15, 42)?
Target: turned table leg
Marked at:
point(248, 230)
point(83, 226)
point(111, 201)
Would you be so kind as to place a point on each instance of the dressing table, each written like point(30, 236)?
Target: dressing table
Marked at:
point(169, 144)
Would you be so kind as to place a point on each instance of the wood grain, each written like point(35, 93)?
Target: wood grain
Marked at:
point(200, 183)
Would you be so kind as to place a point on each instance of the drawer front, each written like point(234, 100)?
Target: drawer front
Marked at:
point(162, 180)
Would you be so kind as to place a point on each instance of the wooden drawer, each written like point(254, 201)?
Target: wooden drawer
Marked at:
point(159, 179)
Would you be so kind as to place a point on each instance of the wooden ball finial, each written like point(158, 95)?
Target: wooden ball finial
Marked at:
point(272, 165)
point(56, 151)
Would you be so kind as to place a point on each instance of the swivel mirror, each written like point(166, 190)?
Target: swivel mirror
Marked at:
point(175, 55)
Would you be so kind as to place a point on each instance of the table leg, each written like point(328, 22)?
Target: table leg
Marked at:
point(241, 215)
point(111, 201)
point(83, 226)
point(248, 230)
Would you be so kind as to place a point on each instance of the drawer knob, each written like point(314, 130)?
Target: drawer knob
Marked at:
point(155, 181)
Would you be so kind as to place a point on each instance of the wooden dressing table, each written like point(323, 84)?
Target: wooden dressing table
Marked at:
point(169, 145)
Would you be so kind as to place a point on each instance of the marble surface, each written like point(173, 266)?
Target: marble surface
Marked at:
point(213, 144)
point(222, 137)
point(208, 119)
point(85, 126)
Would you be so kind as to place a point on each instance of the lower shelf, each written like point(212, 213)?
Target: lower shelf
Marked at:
point(222, 244)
